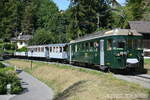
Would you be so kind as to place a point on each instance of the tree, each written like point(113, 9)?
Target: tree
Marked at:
point(132, 11)
point(27, 23)
point(41, 37)
point(10, 18)
point(146, 14)
point(113, 3)
point(87, 16)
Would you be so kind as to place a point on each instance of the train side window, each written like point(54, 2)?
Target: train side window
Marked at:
point(91, 45)
point(56, 49)
point(109, 44)
point(65, 48)
point(86, 46)
point(60, 49)
point(35, 49)
point(50, 49)
point(29, 49)
point(96, 46)
point(53, 49)
point(39, 49)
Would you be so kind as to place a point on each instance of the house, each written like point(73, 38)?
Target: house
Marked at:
point(21, 40)
point(142, 27)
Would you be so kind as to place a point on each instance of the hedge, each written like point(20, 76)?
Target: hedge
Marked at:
point(8, 76)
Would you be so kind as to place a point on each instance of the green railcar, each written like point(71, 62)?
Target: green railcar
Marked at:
point(115, 49)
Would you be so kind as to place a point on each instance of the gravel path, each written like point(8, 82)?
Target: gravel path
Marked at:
point(34, 89)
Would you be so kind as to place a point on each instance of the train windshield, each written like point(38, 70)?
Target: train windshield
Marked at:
point(135, 44)
point(119, 44)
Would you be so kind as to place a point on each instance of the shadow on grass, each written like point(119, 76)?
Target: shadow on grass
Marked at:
point(69, 91)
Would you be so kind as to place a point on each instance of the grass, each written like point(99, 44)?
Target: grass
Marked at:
point(71, 83)
point(147, 65)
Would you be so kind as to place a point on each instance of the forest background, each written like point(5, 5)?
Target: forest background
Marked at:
point(47, 24)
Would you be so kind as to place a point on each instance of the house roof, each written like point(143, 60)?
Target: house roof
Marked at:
point(22, 37)
point(140, 26)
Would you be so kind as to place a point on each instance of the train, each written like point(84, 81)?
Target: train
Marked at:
point(117, 49)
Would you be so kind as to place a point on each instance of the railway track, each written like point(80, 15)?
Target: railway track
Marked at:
point(142, 79)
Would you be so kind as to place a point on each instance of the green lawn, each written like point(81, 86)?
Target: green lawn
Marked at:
point(71, 83)
point(147, 65)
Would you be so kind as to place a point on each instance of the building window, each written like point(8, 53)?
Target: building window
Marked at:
point(21, 43)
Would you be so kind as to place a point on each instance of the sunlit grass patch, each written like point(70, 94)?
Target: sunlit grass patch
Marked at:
point(147, 65)
point(70, 83)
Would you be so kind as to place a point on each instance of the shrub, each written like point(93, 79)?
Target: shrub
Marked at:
point(2, 83)
point(2, 65)
point(1, 41)
point(9, 46)
point(16, 87)
point(3, 89)
point(9, 77)
point(23, 49)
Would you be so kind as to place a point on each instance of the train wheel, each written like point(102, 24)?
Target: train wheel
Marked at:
point(104, 68)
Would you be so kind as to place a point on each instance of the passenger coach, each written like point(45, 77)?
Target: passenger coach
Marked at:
point(115, 49)
point(51, 51)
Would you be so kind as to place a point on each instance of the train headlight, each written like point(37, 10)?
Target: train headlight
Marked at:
point(117, 54)
point(121, 53)
point(130, 54)
point(142, 54)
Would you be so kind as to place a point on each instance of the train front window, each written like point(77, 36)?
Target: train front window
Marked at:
point(119, 44)
point(135, 44)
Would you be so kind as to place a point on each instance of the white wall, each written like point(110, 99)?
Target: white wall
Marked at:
point(20, 45)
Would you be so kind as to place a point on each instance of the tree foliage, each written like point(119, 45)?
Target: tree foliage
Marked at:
point(42, 36)
point(88, 15)
point(10, 18)
point(43, 20)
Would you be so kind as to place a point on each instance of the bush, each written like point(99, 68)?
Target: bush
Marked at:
point(3, 89)
point(1, 46)
point(9, 46)
point(16, 87)
point(2, 65)
point(9, 77)
point(1, 41)
point(23, 49)
point(3, 83)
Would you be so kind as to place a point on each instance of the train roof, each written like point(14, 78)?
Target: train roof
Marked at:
point(107, 33)
point(48, 45)
point(57, 45)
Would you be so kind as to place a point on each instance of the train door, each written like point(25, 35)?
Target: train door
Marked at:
point(102, 52)
point(70, 53)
